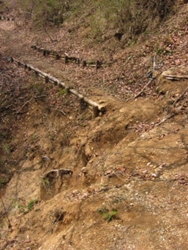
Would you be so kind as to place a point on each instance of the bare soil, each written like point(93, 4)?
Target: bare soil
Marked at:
point(126, 183)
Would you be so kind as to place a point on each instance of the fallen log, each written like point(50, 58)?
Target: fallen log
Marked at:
point(47, 52)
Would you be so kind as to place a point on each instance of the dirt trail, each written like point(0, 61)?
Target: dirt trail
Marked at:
point(129, 183)
point(87, 81)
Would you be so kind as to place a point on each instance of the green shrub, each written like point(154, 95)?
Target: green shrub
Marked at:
point(106, 214)
point(31, 205)
point(109, 215)
point(46, 11)
point(128, 17)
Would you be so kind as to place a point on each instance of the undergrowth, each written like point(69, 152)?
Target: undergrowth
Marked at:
point(129, 18)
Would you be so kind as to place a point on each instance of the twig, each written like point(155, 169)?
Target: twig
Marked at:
point(150, 80)
point(166, 118)
point(30, 101)
point(52, 40)
point(154, 63)
point(6, 230)
point(60, 111)
point(24, 105)
point(119, 177)
point(179, 98)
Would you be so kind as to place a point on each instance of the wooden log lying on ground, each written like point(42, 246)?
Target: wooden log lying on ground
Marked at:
point(68, 59)
point(97, 109)
point(47, 52)
point(6, 18)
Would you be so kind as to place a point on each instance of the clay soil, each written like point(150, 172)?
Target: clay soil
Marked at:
point(70, 181)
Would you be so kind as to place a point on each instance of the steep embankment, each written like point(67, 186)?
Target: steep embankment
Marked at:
point(118, 181)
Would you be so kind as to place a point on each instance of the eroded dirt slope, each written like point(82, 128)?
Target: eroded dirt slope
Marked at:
point(69, 181)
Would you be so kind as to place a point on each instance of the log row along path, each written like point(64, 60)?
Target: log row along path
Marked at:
point(84, 101)
point(17, 42)
point(123, 72)
point(110, 78)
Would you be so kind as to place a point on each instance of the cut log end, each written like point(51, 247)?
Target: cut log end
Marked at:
point(95, 112)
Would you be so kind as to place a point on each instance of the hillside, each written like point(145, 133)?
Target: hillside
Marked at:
point(72, 181)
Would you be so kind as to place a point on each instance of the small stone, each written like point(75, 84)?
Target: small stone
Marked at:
point(177, 62)
point(83, 170)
